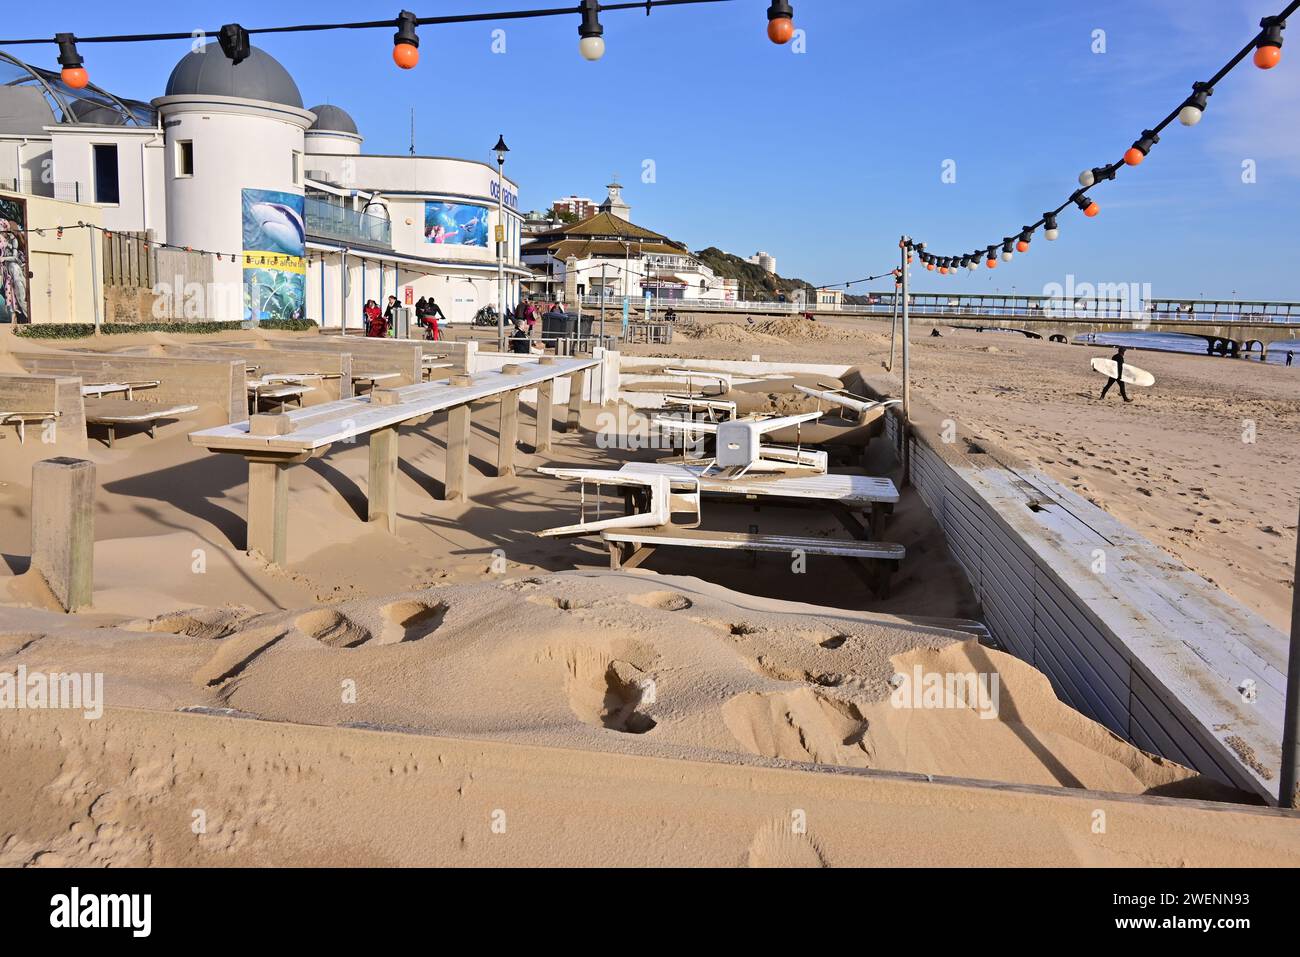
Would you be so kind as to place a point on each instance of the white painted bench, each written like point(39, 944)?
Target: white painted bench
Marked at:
point(111, 413)
point(272, 443)
point(628, 548)
point(22, 420)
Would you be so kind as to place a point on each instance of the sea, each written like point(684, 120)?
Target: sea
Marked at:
point(1192, 345)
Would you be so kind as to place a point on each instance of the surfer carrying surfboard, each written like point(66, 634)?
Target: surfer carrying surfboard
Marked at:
point(1118, 359)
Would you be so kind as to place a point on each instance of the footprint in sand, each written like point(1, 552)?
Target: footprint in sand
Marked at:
point(778, 845)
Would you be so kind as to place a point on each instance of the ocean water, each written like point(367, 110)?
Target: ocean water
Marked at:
point(1192, 345)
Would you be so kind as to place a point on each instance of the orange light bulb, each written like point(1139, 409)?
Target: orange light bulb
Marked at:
point(1268, 57)
point(780, 30)
point(1134, 157)
point(1022, 246)
point(992, 264)
point(76, 77)
point(406, 55)
point(1092, 210)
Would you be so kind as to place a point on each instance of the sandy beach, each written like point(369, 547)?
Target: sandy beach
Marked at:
point(470, 667)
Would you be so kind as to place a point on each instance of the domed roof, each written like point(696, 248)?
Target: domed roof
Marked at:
point(24, 110)
point(209, 71)
point(332, 119)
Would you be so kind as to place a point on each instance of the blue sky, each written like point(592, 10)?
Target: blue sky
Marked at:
point(824, 158)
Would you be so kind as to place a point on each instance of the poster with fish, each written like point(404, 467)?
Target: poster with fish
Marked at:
point(275, 244)
point(15, 298)
point(456, 224)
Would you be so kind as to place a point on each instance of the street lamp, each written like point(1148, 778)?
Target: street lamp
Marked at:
point(501, 151)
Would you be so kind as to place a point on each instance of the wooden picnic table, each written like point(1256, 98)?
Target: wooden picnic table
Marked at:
point(272, 443)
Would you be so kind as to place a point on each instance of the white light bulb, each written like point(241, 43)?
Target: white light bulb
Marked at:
point(592, 48)
point(1086, 179)
point(1052, 234)
point(1190, 115)
point(1006, 257)
point(972, 265)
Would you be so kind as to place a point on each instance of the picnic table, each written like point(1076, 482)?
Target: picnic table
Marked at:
point(112, 413)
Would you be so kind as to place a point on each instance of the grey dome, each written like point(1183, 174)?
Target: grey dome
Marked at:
point(332, 119)
point(210, 72)
point(24, 110)
point(97, 114)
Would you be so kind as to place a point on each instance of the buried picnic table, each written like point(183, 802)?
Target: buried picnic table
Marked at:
point(272, 443)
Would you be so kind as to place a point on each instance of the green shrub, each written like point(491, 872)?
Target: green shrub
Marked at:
point(80, 330)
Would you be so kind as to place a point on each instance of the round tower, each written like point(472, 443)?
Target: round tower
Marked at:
point(334, 131)
point(234, 179)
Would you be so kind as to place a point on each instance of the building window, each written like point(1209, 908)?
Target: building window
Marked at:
point(297, 168)
point(106, 185)
point(184, 157)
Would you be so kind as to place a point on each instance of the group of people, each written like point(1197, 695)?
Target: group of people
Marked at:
point(379, 323)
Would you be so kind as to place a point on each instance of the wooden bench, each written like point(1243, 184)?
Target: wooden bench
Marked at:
point(629, 548)
point(36, 399)
point(22, 420)
point(114, 412)
point(272, 443)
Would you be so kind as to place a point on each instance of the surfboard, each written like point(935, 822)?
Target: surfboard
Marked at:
point(1132, 374)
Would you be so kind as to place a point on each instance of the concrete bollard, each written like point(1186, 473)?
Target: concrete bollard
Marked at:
point(63, 528)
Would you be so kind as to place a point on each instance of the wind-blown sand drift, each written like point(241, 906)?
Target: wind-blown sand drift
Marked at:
point(655, 667)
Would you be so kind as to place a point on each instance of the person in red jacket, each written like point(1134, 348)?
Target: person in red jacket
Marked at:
point(375, 325)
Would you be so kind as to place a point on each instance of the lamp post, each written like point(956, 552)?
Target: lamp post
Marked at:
point(1287, 795)
point(501, 151)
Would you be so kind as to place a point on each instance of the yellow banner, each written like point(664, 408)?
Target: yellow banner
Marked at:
point(278, 261)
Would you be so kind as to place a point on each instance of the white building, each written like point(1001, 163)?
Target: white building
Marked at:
point(764, 261)
point(610, 254)
point(298, 219)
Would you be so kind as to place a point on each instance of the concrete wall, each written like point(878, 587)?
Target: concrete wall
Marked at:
point(43, 394)
point(337, 366)
point(212, 382)
point(368, 355)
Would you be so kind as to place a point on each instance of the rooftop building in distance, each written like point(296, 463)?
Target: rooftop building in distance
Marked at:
point(764, 261)
point(605, 253)
point(579, 207)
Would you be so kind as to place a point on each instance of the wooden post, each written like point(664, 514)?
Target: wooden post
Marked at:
point(574, 418)
point(545, 415)
point(268, 494)
point(458, 431)
point(382, 490)
point(268, 509)
point(63, 528)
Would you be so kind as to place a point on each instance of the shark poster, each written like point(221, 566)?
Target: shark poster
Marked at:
point(15, 301)
point(275, 244)
point(456, 224)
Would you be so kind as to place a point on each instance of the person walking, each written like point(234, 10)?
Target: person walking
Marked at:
point(1118, 359)
point(1289, 356)
point(390, 316)
point(519, 341)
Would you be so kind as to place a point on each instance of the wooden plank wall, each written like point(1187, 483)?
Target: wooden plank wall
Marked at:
point(1145, 648)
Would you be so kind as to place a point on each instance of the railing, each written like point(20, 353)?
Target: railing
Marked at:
point(345, 225)
point(69, 192)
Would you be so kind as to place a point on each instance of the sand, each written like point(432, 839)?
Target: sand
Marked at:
point(381, 699)
point(1192, 464)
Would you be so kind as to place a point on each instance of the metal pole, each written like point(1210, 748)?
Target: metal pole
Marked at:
point(1287, 795)
point(602, 303)
point(96, 290)
point(501, 268)
point(893, 335)
point(907, 375)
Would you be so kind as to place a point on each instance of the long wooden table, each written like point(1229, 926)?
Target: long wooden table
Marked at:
point(272, 443)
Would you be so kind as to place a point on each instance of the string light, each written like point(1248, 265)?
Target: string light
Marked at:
point(235, 43)
point(74, 70)
point(406, 43)
point(780, 22)
point(592, 42)
point(1267, 49)
point(1194, 107)
point(1268, 53)
point(1139, 150)
point(1008, 250)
